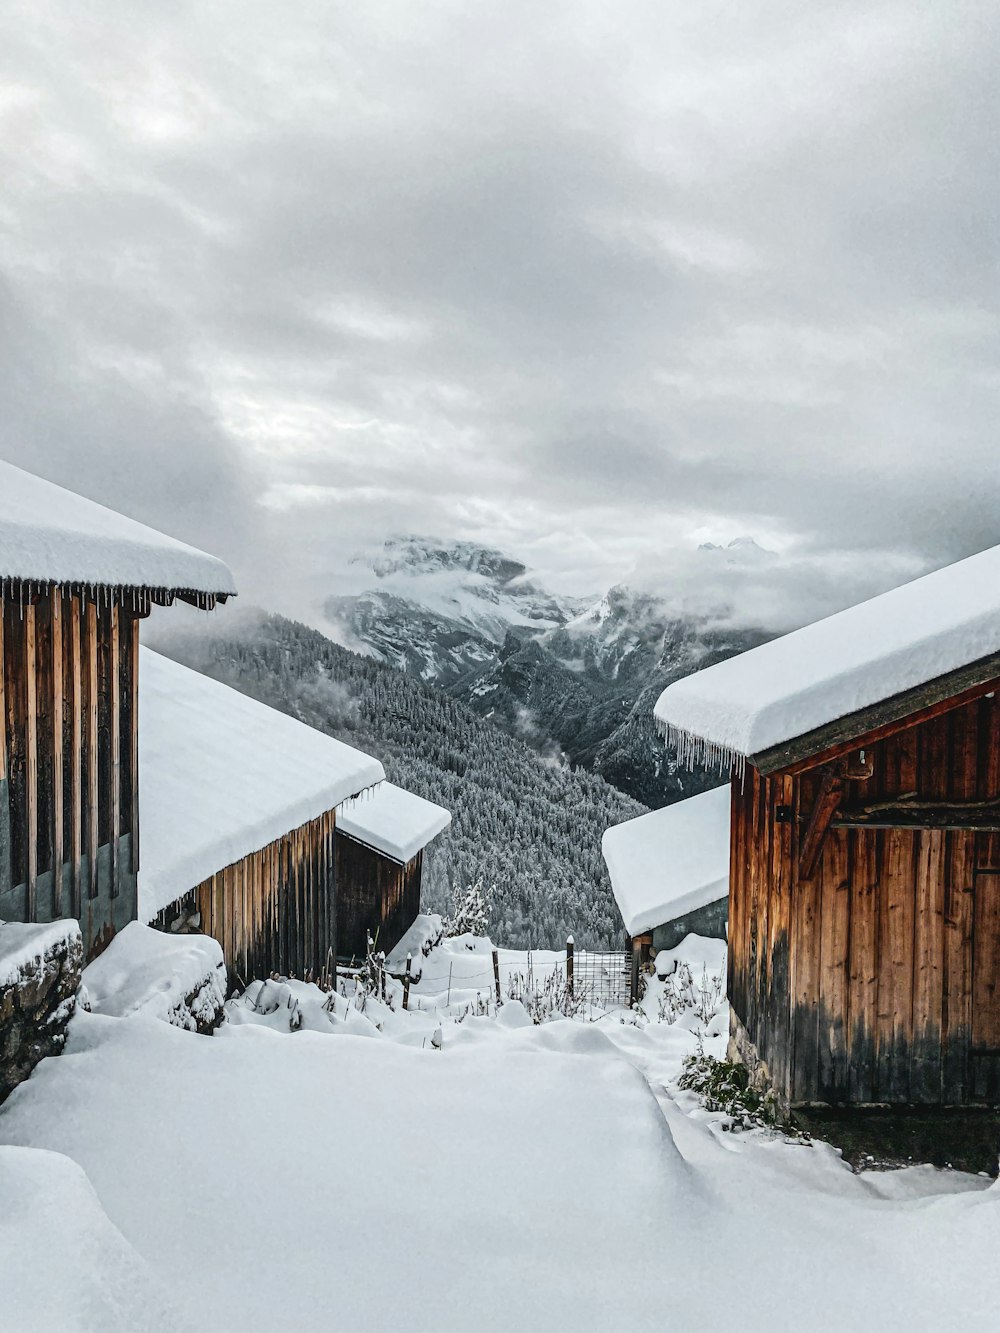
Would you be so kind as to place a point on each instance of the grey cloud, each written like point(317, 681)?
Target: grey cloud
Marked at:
point(571, 279)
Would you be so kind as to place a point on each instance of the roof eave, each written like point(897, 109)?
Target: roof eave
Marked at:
point(882, 719)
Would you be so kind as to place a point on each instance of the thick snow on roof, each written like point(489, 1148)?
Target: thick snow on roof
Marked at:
point(50, 535)
point(221, 775)
point(849, 661)
point(393, 821)
point(670, 862)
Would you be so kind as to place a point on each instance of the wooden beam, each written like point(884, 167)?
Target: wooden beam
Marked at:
point(57, 752)
point(867, 725)
point(134, 685)
point(831, 788)
point(4, 765)
point(31, 774)
point(116, 745)
point(76, 755)
point(90, 741)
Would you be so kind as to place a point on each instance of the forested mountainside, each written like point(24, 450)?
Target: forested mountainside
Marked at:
point(572, 681)
point(529, 825)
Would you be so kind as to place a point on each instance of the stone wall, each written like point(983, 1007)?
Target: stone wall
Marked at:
point(40, 968)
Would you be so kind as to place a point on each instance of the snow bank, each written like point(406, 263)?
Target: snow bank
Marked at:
point(63, 1264)
point(221, 775)
point(849, 661)
point(181, 978)
point(287, 1181)
point(50, 535)
point(25, 945)
point(671, 861)
point(392, 821)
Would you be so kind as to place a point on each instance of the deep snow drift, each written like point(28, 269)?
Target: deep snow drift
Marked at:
point(485, 1174)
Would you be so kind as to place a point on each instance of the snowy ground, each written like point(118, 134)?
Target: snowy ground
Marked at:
point(377, 1170)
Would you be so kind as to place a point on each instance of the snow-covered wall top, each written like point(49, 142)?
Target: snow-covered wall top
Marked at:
point(393, 821)
point(50, 535)
point(837, 666)
point(221, 776)
point(671, 861)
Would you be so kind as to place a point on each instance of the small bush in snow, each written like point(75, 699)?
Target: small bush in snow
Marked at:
point(681, 993)
point(470, 910)
point(724, 1086)
point(545, 998)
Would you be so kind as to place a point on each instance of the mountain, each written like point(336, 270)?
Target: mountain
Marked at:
point(528, 825)
point(440, 610)
point(576, 680)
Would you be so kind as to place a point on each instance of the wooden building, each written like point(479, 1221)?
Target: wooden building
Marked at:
point(669, 873)
point(75, 580)
point(380, 844)
point(238, 821)
point(864, 909)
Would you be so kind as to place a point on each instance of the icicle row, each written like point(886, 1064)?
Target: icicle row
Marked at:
point(138, 599)
point(697, 751)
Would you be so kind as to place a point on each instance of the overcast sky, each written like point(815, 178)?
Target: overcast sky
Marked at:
point(590, 281)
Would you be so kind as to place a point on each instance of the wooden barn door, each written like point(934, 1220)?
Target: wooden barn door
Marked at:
point(986, 986)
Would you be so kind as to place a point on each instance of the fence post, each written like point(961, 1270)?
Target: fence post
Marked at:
point(406, 984)
point(570, 950)
point(496, 973)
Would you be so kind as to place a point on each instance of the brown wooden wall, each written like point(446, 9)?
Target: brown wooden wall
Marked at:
point(876, 980)
point(274, 911)
point(374, 894)
point(68, 809)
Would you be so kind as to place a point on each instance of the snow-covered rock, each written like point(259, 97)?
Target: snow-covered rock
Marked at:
point(179, 978)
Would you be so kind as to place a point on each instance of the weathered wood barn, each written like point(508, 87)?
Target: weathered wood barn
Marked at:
point(669, 873)
point(238, 818)
point(864, 910)
point(380, 841)
point(75, 580)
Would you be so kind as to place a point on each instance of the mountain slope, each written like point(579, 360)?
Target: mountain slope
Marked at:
point(531, 826)
point(573, 681)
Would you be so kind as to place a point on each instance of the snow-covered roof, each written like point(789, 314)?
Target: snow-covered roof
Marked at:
point(51, 535)
point(860, 657)
point(671, 861)
point(221, 775)
point(393, 821)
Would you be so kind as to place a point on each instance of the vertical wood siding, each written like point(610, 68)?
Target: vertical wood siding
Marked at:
point(877, 980)
point(67, 789)
point(274, 911)
point(374, 894)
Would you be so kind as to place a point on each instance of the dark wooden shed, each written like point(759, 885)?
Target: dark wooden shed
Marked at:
point(238, 825)
point(864, 912)
point(75, 580)
point(380, 843)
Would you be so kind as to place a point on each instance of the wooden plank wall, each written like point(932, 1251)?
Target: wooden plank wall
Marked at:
point(275, 911)
point(67, 736)
point(374, 894)
point(876, 980)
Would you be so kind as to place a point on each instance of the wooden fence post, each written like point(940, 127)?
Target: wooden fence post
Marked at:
point(496, 973)
point(406, 983)
point(570, 951)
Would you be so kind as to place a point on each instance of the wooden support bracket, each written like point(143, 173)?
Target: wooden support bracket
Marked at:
point(828, 797)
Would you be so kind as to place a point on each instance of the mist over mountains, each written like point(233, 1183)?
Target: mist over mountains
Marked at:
point(575, 678)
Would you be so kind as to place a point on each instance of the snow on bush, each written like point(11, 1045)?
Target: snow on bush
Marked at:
point(470, 910)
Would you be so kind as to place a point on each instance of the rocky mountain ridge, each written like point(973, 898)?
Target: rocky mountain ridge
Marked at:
point(574, 678)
